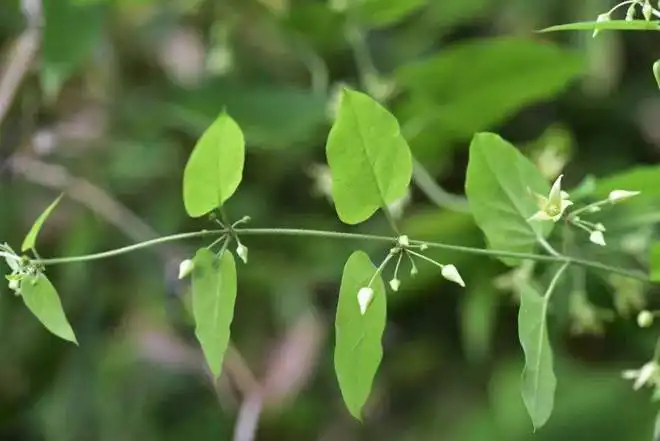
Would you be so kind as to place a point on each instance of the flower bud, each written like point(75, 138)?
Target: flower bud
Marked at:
point(619, 195)
point(647, 10)
point(395, 284)
point(242, 252)
point(644, 319)
point(600, 227)
point(365, 297)
point(423, 247)
point(450, 273)
point(601, 18)
point(185, 268)
point(14, 284)
point(597, 238)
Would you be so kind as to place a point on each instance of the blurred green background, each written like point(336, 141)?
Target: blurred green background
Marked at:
point(110, 108)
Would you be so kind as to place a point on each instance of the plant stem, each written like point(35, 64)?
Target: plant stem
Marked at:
point(553, 282)
point(349, 236)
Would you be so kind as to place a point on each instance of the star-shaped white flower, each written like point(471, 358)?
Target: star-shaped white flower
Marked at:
point(646, 375)
point(553, 207)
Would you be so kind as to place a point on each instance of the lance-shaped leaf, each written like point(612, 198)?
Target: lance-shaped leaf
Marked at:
point(215, 167)
point(538, 377)
point(610, 25)
point(499, 180)
point(214, 296)
point(42, 300)
point(358, 348)
point(369, 159)
point(31, 238)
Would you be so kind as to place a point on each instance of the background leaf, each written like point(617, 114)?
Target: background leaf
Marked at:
point(538, 377)
point(654, 263)
point(215, 167)
point(42, 299)
point(31, 238)
point(214, 296)
point(370, 161)
point(497, 186)
point(71, 30)
point(358, 348)
point(472, 86)
point(379, 13)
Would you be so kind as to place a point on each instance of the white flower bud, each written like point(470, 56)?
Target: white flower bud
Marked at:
point(597, 238)
point(644, 319)
point(450, 273)
point(403, 241)
point(619, 195)
point(14, 285)
point(601, 18)
point(600, 227)
point(395, 284)
point(423, 247)
point(242, 252)
point(185, 268)
point(365, 297)
point(647, 10)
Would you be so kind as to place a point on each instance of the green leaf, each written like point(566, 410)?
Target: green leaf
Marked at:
point(41, 298)
point(498, 181)
point(538, 377)
point(654, 262)
point(31, 238)
point(473, 86)
point(618, 25)
point(645, 179)
point(369, 159)
point(71, 30)
point(358, 348)
point(213, 298)
point(215, 167)
point(380, 13)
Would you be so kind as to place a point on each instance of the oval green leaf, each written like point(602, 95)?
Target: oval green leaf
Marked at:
point(358, 348)
point(213, 299)
point(31, 238)
point(215, 167)
point(538, 377)
point(498, 181)
point(42, 300)
point(612, 25)
point(370, 161)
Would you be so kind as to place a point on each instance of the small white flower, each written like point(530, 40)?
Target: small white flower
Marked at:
point(597, 238)
point(242, 252)
point(404, 241)
point(395, 284)
point(644, 319)
point(642, 376)
point(620, 195)
point(553, 207)
point(185, 268)
point(450, 273)
point(601, 18)
point(365, 297)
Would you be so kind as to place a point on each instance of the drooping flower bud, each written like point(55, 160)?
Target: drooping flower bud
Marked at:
point(242, 252)
point(450, 273)
point(395, 284)
point(185, 268)
point(365, 297)
point(644, 319)
point(620, 195)
point(597, 237)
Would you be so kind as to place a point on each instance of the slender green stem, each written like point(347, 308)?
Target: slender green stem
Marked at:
point(380, 269)
point(350, 236)
point(554, 281)
point(423, 257)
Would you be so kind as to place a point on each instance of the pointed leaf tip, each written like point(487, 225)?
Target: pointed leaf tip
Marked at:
point(31, 238)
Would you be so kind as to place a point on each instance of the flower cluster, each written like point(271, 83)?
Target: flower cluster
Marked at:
point(365, 295)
